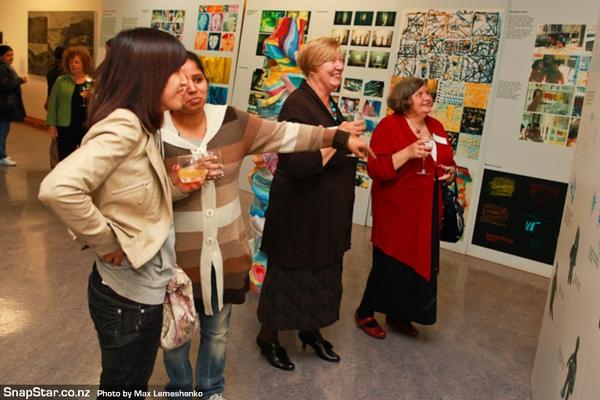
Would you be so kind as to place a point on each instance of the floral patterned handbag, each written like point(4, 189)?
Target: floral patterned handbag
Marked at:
point(180, 319)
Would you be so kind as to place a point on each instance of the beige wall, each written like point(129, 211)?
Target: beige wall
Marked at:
point(13, 24)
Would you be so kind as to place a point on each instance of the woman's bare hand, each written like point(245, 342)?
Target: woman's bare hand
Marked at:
point(182, 186)
point(449, 173)
point(87, 93)
point(355, 128)
point(419, 149)
point(214, 167)
point(115, 258)
point(52, 131)
point(359, 148)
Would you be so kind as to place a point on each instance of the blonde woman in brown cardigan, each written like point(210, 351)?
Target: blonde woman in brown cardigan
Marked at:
point(211, 241)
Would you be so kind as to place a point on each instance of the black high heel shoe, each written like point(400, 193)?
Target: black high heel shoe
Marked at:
point(322, 347)
point(276, 355)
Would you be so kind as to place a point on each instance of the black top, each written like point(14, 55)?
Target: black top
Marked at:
point(309, 219)
point(52, 76)
point(11, 102)
point(78, 105)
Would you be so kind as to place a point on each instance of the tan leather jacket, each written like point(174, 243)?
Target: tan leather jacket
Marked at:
point(114, 191)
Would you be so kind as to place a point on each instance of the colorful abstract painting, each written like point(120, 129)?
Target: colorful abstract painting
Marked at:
point(457, 49)
point(283, 33)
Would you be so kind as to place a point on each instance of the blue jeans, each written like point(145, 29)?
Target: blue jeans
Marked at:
point(4, 128)
point(129, 335)
point(210, 361)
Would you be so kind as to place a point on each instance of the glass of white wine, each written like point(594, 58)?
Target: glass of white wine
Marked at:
point(192, 168)
point(357, 116)
point(425, 136)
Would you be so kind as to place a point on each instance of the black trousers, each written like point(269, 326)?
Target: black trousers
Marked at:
point(69, 138)
point(129, 336)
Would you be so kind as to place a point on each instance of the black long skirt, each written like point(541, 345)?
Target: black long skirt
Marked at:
point(300, 298)
point(395, 289)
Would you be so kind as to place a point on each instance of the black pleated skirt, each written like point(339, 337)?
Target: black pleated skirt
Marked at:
point(395, 289)
point(300, 298)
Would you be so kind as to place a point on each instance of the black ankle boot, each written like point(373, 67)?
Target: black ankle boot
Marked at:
point(275, 354)
point(322, 347)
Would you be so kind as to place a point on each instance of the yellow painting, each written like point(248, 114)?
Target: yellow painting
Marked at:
point(449, 115)
point(476, 95)
point(217, 69)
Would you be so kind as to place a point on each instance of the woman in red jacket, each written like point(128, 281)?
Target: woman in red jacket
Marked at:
point(413, 157)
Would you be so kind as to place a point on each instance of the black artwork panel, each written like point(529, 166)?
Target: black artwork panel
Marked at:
point(519, 215)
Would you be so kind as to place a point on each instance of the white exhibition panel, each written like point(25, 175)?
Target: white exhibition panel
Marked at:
point(118, 15)
point(499, 148)
point(502, 150)
point(473, 165)
point(568, 355)
point(321, 24)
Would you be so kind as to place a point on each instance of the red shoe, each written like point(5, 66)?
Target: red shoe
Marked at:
point(407, 329)
point(375, 331)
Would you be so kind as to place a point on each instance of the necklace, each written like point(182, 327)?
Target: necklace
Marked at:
point(333, 110)
point(416, 130)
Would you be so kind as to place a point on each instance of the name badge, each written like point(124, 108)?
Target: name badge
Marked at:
point(439, 139)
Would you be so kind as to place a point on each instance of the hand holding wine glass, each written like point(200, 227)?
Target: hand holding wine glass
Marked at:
point(426, 145)
point(213, 160)
point(356, 127)
point(86, 91)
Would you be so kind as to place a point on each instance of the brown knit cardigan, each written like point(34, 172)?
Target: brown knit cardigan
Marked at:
point(209, 225)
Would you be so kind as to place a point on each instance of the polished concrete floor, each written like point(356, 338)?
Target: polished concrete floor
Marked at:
point(482, 347)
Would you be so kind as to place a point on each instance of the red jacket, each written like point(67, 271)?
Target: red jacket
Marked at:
point(402, 200)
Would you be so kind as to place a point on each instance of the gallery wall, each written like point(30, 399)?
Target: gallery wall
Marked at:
point(568, 355)
point(13, 24)
point(455, 45)
point(367, 37)
point(529, 144)
point(513, 151)
point(363, 40)
point(211, 29)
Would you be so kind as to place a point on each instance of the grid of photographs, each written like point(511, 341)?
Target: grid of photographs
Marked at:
point(557, 81)
point(216, 26)
point(456, 51)
point(369, 33)
point(281, 34)
point(366, 38)
point(170, 21)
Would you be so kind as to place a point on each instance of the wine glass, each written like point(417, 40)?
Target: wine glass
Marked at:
point(427, 137)
point(82, 90)
point(357, 116)
point(213, 160)
point(192, 169)
point(85, 91)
